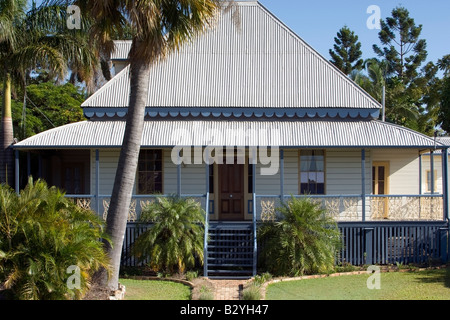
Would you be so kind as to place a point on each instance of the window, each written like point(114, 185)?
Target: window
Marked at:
point(429, 181)
point(312, 172)
point(150, 172)
point(72, 178)
point(380, 177)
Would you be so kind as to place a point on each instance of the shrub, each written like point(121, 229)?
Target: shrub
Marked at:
point(175, 238)
point(191, 275)
point(206, 294)
point(252, 292)
point(260, 279)
point(42, 234)
point(303, 241)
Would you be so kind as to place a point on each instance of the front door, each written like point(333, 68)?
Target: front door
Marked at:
point(380, 185)
point(231, 192)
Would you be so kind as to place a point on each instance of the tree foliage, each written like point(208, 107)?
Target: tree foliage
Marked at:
point(303, 241)
point(37, 38)
point(48, 105)
point(346, 55)
point(175, 238)
point(374, 78)
point(413, 88)
point(444, 112)
point(402, 48)
point(44, 238)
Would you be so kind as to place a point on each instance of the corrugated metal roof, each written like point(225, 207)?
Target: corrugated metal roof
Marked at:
point(121, 50)
point(444, 140)
point(89, 134)
point(260, 64)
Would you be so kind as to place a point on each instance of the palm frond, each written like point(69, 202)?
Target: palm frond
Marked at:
point(175, 237)
point(304, 240)
point(11, 11)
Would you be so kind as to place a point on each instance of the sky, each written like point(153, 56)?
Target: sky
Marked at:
point(318, 21)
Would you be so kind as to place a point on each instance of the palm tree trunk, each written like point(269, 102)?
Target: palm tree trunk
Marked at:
point(6, 135)
point(116, 221)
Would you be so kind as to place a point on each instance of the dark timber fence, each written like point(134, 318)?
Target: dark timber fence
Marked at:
point(133, 231)
point(394, 242)
point(380, 242)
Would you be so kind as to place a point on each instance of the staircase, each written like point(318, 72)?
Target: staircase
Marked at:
point(230, 250)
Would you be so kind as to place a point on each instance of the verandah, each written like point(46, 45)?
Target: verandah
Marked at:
point(376, 228)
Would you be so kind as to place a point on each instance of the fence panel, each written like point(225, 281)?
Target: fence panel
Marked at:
point(133, 231)
point(388, 243)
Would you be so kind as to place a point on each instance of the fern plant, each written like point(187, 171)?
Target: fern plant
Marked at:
point(175, 238)
point(303, 241)
point(43, 234)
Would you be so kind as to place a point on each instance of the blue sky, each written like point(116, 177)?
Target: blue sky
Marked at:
point(317, 22)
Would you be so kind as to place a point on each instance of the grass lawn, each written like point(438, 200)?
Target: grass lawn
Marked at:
point(423, 285)
point(155, 290)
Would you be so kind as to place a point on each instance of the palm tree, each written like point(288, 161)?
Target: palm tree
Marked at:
point(375, 79)
point(175, 238)
point(400, 106)
point(159, 27)
point(42, 234)
point(30, 39)
point(10, 11)
point(304, 240)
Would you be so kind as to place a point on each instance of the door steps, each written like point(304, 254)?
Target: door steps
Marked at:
point(230, 251)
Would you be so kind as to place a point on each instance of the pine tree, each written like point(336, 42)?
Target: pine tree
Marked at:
point(346, 55)
point(402, 48)
point(444, 112)
point(444, 64)
point(444, 94)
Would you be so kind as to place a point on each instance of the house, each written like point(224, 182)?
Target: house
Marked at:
point(242, 118)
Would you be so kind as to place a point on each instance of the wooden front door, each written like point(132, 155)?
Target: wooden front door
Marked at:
point(231, 192)
point(380, 186)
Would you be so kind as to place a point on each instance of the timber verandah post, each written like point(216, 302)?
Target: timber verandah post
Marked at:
point(445, 192)
point(281, 176)
point(97, 180)
point(17, 175)
point(368, 232)
point(255, 242)
point(205, 240)
point(432, 171)
point(363, 183)
point(179, 175)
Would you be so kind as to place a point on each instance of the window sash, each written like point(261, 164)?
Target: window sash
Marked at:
point(429, 180)
point(150, 172)
point(312, 172)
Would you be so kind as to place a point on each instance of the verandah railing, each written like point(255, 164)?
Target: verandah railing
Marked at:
point(397, 228)
point(345, 208)
point(101, 203)
point(138, 202)
point(392, 229)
